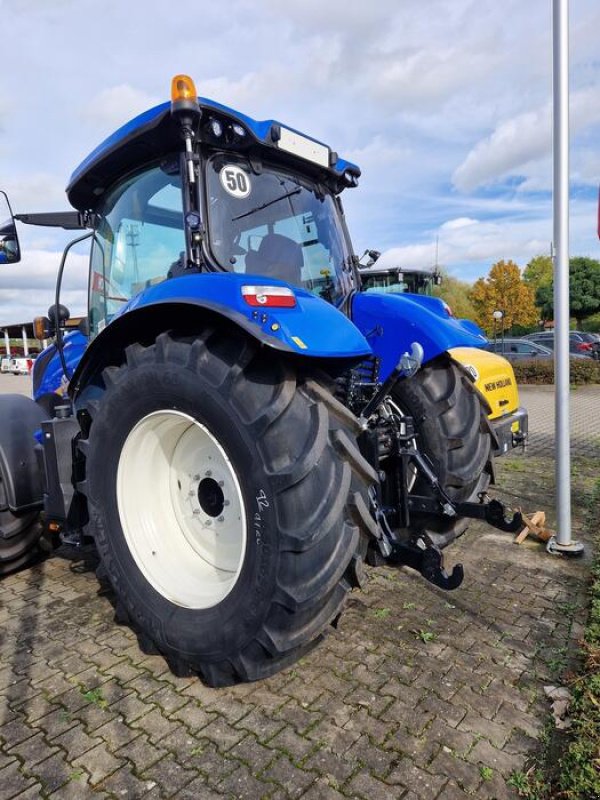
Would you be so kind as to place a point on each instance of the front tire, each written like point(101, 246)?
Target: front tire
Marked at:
point(453, 433)
point(228, 502)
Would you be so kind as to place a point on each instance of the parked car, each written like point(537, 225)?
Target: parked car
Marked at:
point(590, 338)
point(5, 364)
point(579, 343)
point(21, 366)
point(519, 349)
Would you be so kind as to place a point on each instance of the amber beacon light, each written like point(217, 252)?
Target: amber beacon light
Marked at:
point(183, 94)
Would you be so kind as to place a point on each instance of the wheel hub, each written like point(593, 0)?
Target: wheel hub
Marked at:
point(181, 509)
point(211, 497)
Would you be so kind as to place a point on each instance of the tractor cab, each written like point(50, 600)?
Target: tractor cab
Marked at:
point(257, 218)
point(246, 196)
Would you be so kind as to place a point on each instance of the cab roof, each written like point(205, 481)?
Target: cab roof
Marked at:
point(154, 133)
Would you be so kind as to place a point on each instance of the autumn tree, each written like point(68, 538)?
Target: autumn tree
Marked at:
point(456, 293)
point(503, 290)
point(538, 272)
point(584, 290)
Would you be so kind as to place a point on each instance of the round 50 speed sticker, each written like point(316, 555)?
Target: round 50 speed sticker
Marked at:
point(235, 181)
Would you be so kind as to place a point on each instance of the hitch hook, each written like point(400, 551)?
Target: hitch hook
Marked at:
point(494, 514)
point(433, 570)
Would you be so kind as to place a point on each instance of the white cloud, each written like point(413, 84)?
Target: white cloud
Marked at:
point(112, 107)
point(521, 141)
point(33, 192)
point(513, 143)
point(460, 222)
point(27, 289)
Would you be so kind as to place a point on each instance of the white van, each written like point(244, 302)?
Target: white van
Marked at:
point(21, 366)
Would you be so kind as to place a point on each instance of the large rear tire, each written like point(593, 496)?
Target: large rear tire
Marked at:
point(453, 433)
point(228, 502)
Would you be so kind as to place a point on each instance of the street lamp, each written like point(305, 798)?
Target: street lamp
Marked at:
point(497, 316)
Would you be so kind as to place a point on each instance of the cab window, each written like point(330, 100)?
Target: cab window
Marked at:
point(276, 223)
point(139, 237)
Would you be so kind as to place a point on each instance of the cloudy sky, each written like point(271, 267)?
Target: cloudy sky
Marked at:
point(444, 104)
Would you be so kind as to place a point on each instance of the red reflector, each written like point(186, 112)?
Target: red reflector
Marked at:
point(269, 296)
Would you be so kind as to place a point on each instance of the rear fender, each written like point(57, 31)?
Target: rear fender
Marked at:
point(312, 329)
point(392, 322)
point(21, 478)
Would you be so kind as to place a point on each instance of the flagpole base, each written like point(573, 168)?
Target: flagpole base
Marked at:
point(573, 549)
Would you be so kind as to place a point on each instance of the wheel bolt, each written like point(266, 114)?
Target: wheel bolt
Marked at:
point(221, 519)
point(208, 473)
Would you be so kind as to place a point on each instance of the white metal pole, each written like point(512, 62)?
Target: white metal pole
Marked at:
point(560, 40)
point(25, 341)
point(7, 343)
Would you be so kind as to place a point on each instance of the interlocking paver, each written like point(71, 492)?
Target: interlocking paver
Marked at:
point(422, 783)
point(12, 781)
point(253, 753)
point(168, 773)
point(141, 752)
point(292, 744)
point(123, 783)
point(52, 773)
point(198, 790)
point(364, 786)
point(14, 732)
point(258, 723)
point(486, 754)
point(193, 716)
point(33, 750)
point(99, 762)
point(242, 785)
point(464, 773)
point(282, 772)
point(75, 741)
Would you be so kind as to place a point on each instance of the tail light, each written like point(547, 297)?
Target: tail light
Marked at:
point(269, 296)
point(584, 346)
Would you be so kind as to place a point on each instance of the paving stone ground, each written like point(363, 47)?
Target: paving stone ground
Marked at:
point(418, 695)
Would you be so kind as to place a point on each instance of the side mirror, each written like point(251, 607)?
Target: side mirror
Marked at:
point(10, 252)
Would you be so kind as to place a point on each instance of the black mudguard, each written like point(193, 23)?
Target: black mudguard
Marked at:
point(20, 418)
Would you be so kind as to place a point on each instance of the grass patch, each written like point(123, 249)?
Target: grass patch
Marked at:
point(95, 697)
point(382, 613)
point(579, 777)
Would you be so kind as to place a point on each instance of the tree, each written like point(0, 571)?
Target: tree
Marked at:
point(503, 290)
point(538, 272)
point(584, 290)
point(456, 293)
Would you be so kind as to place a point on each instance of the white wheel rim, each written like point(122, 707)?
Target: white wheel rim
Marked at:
point(181, 509)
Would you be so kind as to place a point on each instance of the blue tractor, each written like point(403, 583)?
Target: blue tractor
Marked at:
point(236, 426)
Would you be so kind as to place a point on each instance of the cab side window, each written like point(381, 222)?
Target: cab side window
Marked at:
point(139, 237)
